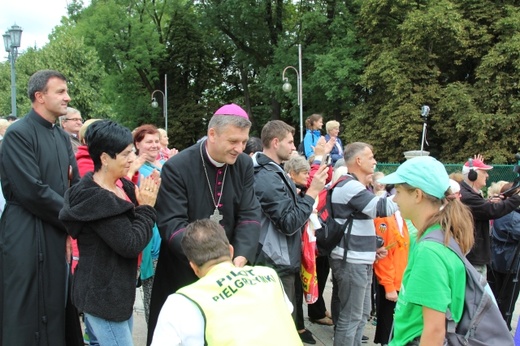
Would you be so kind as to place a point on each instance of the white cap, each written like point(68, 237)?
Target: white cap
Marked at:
point(454, 186)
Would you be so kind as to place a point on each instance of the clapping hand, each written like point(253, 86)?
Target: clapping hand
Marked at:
point(136, 165)
point(324, 147)
point(147, 192)
point(173, 152)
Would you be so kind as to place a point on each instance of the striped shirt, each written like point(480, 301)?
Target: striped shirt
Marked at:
point(352, 196)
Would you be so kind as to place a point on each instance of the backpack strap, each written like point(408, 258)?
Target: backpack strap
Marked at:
point(350, 221)
point(438, 237)
point(471, 273)
point(350, 218)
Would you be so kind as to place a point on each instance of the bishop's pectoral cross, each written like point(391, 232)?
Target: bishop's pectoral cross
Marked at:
point(216, 216)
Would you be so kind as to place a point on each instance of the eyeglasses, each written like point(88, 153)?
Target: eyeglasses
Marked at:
point(74, 119)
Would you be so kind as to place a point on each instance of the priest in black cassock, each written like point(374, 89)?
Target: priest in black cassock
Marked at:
point(37, 165)
point(211, 179)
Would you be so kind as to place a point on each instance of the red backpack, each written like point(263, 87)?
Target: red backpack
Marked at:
point(331, 232)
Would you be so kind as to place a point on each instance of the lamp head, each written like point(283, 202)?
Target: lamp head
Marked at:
point(155, 104)
point(7, 41)
point(286, 86)
point(16, 36)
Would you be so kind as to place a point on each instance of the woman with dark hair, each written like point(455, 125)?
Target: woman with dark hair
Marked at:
point(253, 145)
point(313, 123)
point(112, 221)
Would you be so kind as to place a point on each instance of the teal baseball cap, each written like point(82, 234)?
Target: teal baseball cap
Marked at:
point(424, 173)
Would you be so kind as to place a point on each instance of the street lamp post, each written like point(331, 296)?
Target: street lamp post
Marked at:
point(12, 38)
point(287, 86)
point(155, 104)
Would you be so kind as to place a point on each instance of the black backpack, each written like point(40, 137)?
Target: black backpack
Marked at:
point(331, 232)
point(481, 322)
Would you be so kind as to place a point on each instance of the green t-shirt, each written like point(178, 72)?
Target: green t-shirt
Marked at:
point(435, 278)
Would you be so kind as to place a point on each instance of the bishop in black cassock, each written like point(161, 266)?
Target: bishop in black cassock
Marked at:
point(185, 197)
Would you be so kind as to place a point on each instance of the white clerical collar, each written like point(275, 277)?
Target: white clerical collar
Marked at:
point(215, 163)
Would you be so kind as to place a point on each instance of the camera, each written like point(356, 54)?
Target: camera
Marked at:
point(380, 242)
point(425, 110)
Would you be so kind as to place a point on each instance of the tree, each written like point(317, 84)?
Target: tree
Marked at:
point(77, 62)
point(444, 54)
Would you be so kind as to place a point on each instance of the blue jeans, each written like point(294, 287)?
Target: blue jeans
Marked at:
point(354, 287)
point(92, 338)
point(110, 333)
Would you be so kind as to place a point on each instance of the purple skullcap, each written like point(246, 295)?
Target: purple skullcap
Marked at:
point(232, 109)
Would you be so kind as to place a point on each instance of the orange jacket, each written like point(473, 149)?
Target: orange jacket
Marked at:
point(389, 270)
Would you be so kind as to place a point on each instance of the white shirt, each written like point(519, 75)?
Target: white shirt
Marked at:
point(180, 323)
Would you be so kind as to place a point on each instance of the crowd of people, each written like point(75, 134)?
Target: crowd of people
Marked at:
point(214, 236)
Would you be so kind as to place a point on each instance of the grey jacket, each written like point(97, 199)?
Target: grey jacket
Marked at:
point(284, 214)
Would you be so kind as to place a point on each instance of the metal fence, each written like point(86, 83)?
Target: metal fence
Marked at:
point(499, 172)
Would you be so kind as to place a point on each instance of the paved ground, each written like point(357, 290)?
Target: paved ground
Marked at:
point(322, 334)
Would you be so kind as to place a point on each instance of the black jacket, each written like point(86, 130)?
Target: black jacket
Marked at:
point(505, 238)
point(284, 214)
point(483, 211)
point(111, 232)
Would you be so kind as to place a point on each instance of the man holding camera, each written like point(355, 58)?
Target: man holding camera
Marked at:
point(284, 212)
point(475, 176)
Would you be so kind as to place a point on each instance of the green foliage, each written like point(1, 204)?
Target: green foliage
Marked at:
point(78, 63)
point(370, 64)
point(460, 58)
point(5, 89)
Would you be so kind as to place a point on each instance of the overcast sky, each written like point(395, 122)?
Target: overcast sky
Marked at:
point(36, 17)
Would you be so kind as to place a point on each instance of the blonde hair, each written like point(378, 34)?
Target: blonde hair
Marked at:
point(457, 176)
point(162, 133)
point(83, 130)
point(338, 173)
point(4, 124)
point(375, 177)
point(331, 125)
point(454, 217)
point(495, 188)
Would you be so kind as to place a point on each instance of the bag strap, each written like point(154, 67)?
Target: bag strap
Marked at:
point(350, 217)
point(350, 221)
point(437, 236)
